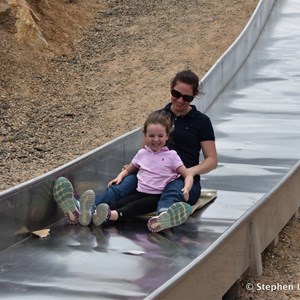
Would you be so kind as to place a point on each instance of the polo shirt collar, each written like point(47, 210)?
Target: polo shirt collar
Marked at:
point(165, 148)
point(190, 113)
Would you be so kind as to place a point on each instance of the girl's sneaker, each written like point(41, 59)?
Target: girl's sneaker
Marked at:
point(63, 195)
point(176, 214)
point(101, 214)
point(86, 201)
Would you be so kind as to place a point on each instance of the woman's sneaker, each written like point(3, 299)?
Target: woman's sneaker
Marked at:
point(101, 214)
point(176, 214)
point(63, 195)
point(86, 201)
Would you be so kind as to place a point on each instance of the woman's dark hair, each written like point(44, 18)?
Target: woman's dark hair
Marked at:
point(188, 77)
point(158, 117)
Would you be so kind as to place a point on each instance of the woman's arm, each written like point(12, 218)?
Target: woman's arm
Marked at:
point(210, 161)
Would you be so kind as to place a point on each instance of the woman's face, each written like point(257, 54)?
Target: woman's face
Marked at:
point(179, 106)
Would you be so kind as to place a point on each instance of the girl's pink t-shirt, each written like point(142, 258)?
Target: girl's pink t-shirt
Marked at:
point(156, 169)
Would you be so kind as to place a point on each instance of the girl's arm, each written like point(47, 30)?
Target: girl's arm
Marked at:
point(125, 172)
point(142, 146)
point(188, 181)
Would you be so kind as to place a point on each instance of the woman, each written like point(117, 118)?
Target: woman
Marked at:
point(192, 133)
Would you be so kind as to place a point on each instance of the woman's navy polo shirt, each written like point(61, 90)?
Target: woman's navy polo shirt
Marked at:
point(189, 130)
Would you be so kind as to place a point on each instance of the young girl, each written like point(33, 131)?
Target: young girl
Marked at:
point(155, 165)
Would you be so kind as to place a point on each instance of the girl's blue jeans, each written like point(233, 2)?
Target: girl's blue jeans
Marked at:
point(117, 191)
point(171, 194)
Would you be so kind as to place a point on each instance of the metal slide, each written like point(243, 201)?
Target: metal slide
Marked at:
point(256, 116)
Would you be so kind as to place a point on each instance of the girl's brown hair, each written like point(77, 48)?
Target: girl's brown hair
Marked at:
point(158, 117)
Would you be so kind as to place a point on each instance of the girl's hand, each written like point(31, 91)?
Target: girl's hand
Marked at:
point(117, 180)
point(186, 194)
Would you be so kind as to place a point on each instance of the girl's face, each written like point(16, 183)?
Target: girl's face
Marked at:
point(179, 106)
point(156, 137)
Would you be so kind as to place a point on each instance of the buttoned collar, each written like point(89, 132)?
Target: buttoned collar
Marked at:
point(165, 148)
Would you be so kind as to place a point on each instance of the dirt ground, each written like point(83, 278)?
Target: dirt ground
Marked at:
point(109, 63)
